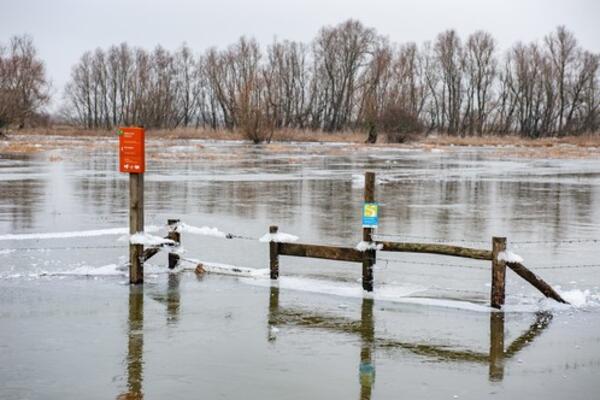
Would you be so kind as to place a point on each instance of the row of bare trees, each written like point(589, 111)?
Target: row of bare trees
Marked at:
point(348, 78)
point(24, 88)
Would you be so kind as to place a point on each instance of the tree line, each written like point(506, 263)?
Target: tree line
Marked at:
point(349, 77)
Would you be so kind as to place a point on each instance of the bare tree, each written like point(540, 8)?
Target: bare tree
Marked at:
point(24, 88)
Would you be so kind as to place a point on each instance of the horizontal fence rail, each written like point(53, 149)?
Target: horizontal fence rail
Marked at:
point(323, 252)
point(448, 250)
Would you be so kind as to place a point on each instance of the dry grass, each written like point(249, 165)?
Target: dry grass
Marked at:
point(32, 141)
point(281, 135)
point(591, 140)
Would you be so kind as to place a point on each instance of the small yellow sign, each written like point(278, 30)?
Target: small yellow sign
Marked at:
point(370, 217)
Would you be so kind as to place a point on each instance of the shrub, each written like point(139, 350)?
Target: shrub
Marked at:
point(399, 124)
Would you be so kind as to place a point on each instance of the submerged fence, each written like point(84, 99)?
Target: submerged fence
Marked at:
point(366, 253)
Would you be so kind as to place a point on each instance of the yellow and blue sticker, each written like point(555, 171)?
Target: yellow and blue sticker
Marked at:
point(370, 215)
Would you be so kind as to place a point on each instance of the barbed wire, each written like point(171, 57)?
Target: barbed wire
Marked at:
point(434, 240)
point(510, 242)
point(543, 267)
point(408, 262)
point(573, 266)
point(242, 237)
point(554, 242)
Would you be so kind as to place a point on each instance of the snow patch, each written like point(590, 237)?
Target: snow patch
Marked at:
point(6, 251)
point(74, 234)
point(364, 246)
point(510, 257)
point(226, 269)
point(395, 294)
point(278, 237)
point(203, 230)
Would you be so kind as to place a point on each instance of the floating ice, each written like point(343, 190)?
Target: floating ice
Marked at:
point(278, 237)
point(364, 246)
point(576, 297)
point(203, 230)
point(358, 181)
point(509, 257)
point(73, 234)
point(105, 270)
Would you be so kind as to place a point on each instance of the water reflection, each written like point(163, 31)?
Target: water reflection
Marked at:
point(173, 299)
point(496, 372)
point(135, 345)
point(365, 329)
point(135, 332)
point(367, 334)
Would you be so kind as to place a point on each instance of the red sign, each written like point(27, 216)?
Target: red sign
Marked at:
point(132, 154)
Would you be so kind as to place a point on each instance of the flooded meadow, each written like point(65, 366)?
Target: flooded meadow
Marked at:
point(71, 326)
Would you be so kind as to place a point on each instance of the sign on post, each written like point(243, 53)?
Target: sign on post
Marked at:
point(131, 150)
point(370, 215)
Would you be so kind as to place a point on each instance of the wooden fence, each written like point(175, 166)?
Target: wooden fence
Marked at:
point(369, 256)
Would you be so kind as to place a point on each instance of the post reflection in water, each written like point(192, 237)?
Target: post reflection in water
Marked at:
point(365, 329)
point(135, 345)
point(496, 346)
point(273, 309)
point(367, 365)
point(173, 299)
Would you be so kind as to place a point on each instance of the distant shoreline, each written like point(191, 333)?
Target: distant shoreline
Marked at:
point(28, 141)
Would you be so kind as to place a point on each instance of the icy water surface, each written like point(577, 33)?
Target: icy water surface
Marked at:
point(70, 326)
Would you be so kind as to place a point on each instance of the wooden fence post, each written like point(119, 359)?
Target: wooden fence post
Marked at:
point(175, 236)
point(498, 273)
point(136, 224)
point(274, 254)
point(369, 255)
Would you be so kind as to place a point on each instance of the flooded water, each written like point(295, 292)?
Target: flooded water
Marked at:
point(71, 326)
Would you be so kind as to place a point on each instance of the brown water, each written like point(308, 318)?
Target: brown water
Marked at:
point(71, 327)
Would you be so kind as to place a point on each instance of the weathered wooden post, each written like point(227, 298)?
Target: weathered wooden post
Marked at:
point(498, 273)
point(132, 160)
point(175, 236)
point(274, 253)
point(136, 224)
point(369, 254)
point(496, 371)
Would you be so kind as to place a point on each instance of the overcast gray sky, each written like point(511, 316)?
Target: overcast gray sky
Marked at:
point(64, 29)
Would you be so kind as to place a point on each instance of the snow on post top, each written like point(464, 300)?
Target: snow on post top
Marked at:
point(278, 237)
point(509, 257)
point(149, 240)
